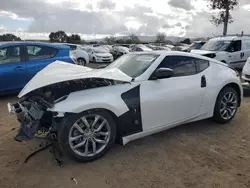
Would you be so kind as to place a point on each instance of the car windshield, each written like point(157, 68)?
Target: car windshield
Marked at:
point(134, 64)
point(216, 45)
point(99, 50)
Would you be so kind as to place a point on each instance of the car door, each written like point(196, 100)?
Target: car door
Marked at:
point(38, 57)
point(176, 99)
point(236, 56)
point(12, 69)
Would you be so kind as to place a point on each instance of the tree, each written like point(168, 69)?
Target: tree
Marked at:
point(59, 36)
point(224, 17)
point(52, 37)
point(109, 40)
point(75, 39)
point(134, 39)
point(9, 37)
point(186, 41)
point(160, 37)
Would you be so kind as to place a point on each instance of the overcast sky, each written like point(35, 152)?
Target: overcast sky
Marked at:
point(35, 19)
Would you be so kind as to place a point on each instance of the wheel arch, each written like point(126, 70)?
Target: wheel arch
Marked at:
point(115, 118)
point(81, 58)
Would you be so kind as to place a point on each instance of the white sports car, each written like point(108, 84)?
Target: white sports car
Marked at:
point(137, 95)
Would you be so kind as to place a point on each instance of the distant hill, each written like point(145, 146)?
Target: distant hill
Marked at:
point(145, 38)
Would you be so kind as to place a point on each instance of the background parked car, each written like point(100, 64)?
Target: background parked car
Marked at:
point(99, 55)
point(197, 45)
point(78, 52)
point(140, 48)
point(20, 61)
point(232, 50)
point(118, 51)
point(107, 47)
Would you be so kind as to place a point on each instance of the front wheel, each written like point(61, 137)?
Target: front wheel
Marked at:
point(87, 136)
point(226, 105)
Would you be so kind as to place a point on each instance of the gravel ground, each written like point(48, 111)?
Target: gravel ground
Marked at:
point(201, 154)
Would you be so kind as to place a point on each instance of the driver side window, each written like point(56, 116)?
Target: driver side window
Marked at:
point(236, 46)
point(181, 65)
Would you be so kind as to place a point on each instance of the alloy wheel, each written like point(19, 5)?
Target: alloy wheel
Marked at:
point(228, 105)
point(89, 135)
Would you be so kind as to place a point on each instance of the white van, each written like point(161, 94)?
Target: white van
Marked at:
point(233, 50)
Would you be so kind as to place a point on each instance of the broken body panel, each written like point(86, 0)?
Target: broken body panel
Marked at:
point(43, 99)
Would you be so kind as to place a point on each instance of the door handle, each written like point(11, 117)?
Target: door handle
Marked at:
point(203, 81)
point(19, 68)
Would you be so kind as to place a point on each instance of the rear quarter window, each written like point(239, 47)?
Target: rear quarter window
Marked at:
point(201, 64)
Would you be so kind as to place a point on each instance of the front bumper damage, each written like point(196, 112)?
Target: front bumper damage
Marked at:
point(29, 115)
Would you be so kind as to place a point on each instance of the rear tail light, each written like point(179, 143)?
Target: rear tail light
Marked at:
point(73, 57)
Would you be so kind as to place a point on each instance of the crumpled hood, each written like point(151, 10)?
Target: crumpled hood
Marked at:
point(202, 52)
point(59, 71)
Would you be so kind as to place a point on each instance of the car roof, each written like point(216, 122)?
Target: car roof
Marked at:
point(11, 43)
point(173, 53)
point(231, 38)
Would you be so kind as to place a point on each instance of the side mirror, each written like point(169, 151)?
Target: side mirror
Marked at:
point(162, 73)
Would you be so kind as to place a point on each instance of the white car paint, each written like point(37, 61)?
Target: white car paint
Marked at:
point(163, 103)
point(78, 52)
point(235, 58)
point(246, 71)
point(99, 55)
point(140, 48)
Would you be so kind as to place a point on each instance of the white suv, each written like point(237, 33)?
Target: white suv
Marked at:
point(232, 50)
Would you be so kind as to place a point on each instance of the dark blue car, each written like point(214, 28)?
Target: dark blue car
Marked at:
point(20, 61)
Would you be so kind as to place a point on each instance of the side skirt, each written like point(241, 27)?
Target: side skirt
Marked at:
point(129, 138)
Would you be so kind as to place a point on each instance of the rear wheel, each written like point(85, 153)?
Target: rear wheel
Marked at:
point(87, 136)
point(81, 61)
point(226, 105)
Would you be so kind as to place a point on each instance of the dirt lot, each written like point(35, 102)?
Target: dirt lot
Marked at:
point(202, 154)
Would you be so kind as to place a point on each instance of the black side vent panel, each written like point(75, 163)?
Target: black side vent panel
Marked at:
point(130, 122)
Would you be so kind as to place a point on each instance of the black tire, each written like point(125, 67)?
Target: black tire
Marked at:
point(217, 117)
point(94, 60)
point(68, 122)
point(81, 61)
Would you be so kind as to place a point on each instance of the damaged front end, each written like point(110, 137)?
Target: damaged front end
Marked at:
point(33, 109)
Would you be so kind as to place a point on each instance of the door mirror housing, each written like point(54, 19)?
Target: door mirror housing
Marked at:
point(162, 73)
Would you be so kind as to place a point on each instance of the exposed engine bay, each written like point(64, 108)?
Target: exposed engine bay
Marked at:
point(33, 109)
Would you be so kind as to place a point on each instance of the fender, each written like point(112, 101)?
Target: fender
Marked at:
point(108, 97)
